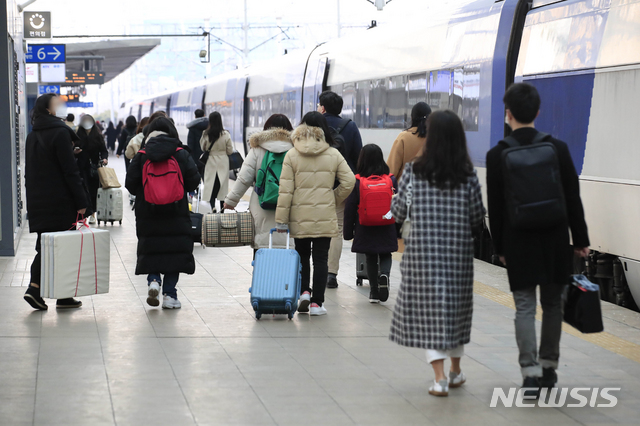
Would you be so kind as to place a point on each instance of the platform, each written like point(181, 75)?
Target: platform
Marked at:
point(117, 361)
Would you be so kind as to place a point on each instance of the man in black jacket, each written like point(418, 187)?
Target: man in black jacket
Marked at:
point(196, 127)
point(330, 104)
point(535, 257)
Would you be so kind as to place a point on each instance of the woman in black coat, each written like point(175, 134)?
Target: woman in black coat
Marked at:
point(91, 155)
point(112, 134)
point(377, 242)
point(128, 132)
point(55, 191)
point(165, 244)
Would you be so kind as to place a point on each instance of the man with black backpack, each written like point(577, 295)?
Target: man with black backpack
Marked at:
point(534, 198)
point(348, 141)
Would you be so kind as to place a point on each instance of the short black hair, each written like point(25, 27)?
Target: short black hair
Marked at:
point(332, 102)
point(523, 101)
point(71, 117)
point(199, 113)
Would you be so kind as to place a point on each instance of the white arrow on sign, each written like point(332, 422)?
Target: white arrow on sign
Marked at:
point(57, 54)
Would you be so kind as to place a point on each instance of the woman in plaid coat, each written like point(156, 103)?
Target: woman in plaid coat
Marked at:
point(435, 301)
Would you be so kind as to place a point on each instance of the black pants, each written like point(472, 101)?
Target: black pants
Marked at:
point(319, 249)
point(378, 264)
point(214, 194)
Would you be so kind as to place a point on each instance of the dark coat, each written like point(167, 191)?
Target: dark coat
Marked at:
point(352, 139)
point(367, 239)
point(542, 256)
point(165, 244)
point(112, 134)
point(125, 136)
point(196, 127)
point(55, 191)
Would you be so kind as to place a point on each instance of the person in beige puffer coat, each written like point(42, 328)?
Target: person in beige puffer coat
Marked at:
point(307, 202)
point(275, 138)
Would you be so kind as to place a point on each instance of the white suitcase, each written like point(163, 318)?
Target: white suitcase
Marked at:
point(109, 206)
point(75, 263)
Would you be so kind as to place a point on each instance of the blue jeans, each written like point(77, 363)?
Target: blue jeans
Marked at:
point(170, 283)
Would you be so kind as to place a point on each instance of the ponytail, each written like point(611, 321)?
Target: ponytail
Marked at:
point(419, 115)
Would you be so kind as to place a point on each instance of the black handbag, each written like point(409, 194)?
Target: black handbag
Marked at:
point(202, 161)
point(581, 300)
point(235, 161)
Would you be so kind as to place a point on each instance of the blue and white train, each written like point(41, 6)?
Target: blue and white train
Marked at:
point(582, 55)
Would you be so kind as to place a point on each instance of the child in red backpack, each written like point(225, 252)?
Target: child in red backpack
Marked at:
point(368, 221)
point(160, 176)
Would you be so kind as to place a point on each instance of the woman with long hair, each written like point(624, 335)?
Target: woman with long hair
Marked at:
point(91, 155)
point(55, 192)
point(435, 301)
point(377, 242)
point(307, 203)
point(112, 135)
point(217, 142)
point(275, 140)
point(411, 141)
point(127, 133)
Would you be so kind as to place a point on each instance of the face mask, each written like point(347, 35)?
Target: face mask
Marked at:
point(61, 111)
point(87, 125)
point(506, 120)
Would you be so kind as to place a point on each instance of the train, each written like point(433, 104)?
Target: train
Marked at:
point(582, 55)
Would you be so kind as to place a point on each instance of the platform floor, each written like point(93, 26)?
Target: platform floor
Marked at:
point(117, 361)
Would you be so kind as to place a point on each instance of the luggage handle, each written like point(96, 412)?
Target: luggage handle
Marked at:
point(271, 237)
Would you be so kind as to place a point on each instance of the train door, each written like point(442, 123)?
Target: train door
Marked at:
point(314, 82)
point(240, 112)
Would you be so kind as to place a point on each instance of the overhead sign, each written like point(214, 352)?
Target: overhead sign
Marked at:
point(32, 73)
point(46, 53)
point(76, 78)
point(79, 104)
point(49, 89)
point(70, 97)
point(53, 73)
point(37, 24)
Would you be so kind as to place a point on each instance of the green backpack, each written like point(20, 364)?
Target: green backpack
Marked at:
point(268, 180)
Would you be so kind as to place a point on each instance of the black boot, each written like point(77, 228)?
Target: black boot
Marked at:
point(32, 296)
point(332, 281)
point(69, 303)
point(531, 382)
point(383, 287)
point(549, 378)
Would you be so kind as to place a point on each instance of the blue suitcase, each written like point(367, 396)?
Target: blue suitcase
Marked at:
point(275, 287)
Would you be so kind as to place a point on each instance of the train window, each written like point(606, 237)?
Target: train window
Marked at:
point(471, 98)
point(417, 90)
point(377, 103)
point(349, 96)
point(439, 89)
point(396, 103)
point(361, 113)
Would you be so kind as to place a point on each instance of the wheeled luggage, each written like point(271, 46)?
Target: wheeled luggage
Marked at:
point(196, 227)
point(109, 205)
point(75, 263)
point(275, 287)
point(361, 268)
point(581, 302)
point(227, 229)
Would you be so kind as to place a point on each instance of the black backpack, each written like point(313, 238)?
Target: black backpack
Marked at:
point(533, 183)
point(338, 140)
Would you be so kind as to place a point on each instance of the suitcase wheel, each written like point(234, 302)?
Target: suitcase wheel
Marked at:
point(290, 315)
point(287, 307)
point(258, 315)
point(359, 281)
point(120, 223)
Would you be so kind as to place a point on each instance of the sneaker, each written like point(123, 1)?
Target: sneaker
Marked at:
point(92, 220)
point(317, 310)
point(440, 388)
point(32, 296)
point(154, 291)
point(549, 378)
point(456, 379)
point(332, 281)
point(304, 302)
point(383, 287)
point(373, 297)
point(169, 302)
point(533, 385)
point(68, 303)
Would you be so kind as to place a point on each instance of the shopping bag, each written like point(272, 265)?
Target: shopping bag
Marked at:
point(75, 263)
point(581, 301)
point(108, 178)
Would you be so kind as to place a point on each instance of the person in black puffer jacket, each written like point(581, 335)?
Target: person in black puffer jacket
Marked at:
point(165, 244)
point(56, 194)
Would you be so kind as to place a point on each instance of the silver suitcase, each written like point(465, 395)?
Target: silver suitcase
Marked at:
point(109, 206)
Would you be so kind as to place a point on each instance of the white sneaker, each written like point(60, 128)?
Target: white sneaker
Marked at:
point(154, 291)
point(440, 388)
point(169, 302)
point(316, 310)
point(92, 220)
point(456, 379)
point(304, 301)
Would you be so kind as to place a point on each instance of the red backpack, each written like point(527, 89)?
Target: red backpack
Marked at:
point(375, 200)
point(162, 181)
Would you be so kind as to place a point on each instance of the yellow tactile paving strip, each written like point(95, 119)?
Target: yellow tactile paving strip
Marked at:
point(604, 340)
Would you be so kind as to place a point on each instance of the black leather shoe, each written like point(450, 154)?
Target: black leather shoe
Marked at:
point(32, 296)
point(531, 382)
point(69, 303)
point(383, 287)
point(549, 378)
point(332, 282)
